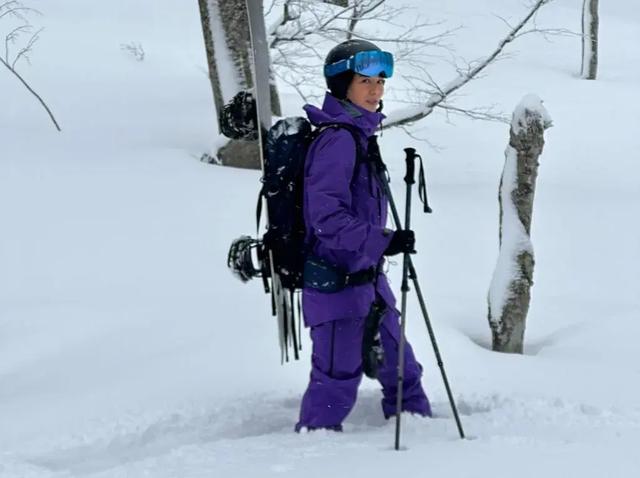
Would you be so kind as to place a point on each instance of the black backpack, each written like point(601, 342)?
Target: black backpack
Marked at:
point(282, 248)
point(286, 146)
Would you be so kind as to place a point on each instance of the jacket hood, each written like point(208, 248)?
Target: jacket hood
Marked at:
point(337, 111)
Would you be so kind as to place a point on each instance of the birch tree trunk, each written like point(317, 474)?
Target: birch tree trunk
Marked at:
point(225, 28)
point(205, 20)
point(510, 291)
point(590, 23)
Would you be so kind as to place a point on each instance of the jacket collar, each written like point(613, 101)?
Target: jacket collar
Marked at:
point(342, 111)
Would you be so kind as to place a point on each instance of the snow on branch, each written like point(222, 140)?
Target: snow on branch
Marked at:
point(16, 11)
point(410, 115)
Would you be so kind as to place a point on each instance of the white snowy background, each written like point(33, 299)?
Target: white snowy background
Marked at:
point(127, 349)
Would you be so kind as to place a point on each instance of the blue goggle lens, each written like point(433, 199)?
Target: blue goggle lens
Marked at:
point(366, 63)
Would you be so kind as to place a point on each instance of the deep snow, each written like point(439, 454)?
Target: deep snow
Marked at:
point(128, 349)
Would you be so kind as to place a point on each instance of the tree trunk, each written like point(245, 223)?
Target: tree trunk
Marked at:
point(225, 27)
point(590, 23)
point(510, 292)
point(353, 21)
point(205, 20)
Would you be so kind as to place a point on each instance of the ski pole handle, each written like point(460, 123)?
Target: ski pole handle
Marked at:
point(410, 159)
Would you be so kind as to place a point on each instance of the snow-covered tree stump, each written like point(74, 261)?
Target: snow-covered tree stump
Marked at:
point(509, 294)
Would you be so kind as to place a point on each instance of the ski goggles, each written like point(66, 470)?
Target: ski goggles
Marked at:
point(365, 63)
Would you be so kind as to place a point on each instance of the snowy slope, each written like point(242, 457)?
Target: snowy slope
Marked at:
point(127, 348)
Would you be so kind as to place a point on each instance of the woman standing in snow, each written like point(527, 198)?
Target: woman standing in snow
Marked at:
point(345, 212)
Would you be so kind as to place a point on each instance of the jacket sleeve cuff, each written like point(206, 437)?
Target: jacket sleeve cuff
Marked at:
point(378, 242)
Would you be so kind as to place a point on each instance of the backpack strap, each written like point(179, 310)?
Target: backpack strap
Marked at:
point(361, 154)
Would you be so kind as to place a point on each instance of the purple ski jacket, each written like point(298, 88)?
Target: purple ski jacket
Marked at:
point(345, 212)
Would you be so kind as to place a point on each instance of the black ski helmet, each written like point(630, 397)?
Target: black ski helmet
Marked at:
point(339, 84)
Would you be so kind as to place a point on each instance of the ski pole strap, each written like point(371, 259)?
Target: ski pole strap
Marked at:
point(320, 275)
point(422, 187)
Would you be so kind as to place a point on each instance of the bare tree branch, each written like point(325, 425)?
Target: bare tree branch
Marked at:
point(412, 115)
point(12, 37)
point(484, 114)
point(359, 11)
point(44, 105)
point(399, 39)
point(296, 33)
point(301, 31)
point(422, 139)
point(13, 8)
point(327, 22)
point(16, 9)
point(24, 51)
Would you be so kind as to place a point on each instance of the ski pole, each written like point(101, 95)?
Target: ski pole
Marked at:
point(409, 180)
point(382, 173)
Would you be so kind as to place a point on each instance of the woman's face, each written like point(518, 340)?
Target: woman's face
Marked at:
point(366, 91)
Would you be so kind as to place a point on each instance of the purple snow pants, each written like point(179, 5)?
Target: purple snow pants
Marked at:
point(337, 371)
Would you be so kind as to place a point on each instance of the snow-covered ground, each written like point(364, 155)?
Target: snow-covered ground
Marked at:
point(128, 349)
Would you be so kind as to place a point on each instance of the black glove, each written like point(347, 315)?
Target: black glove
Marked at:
point(402, 241)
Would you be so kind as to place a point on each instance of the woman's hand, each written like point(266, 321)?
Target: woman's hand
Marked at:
point(403, 241)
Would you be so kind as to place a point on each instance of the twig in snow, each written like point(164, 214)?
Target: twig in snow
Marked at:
point(135, 49)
